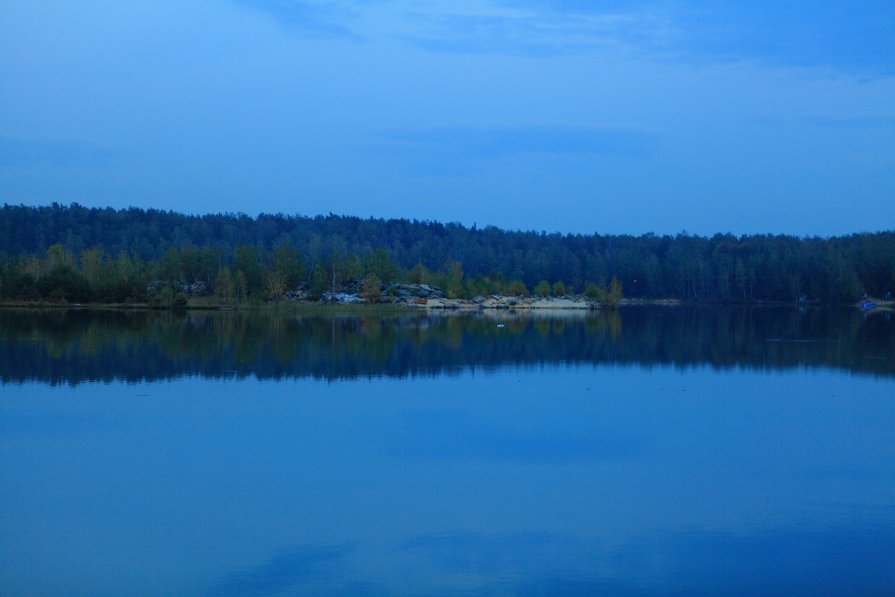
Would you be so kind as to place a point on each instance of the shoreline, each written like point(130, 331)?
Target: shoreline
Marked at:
point(525, 303)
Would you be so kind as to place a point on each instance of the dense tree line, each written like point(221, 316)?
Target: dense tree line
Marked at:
point(80, 253)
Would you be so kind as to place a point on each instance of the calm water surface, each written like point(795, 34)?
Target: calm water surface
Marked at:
point(645, 452)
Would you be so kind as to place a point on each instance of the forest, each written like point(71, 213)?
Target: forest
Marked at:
point(80, 254)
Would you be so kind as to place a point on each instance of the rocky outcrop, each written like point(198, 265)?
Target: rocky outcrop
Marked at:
point(298, 294)
point(197, 288)
point(426, 296)
point(341, 298)
point(408, 291)
point(498, 301)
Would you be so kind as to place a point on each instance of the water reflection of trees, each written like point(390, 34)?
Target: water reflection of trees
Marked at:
point(72, 346)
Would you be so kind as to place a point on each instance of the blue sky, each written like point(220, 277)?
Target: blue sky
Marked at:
point(558, 115)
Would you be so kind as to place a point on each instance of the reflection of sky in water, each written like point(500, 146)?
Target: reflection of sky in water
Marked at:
point(558, 480)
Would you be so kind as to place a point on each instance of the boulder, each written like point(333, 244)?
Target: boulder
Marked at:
point(414, 290)
point(297, 294)
point(341, 298)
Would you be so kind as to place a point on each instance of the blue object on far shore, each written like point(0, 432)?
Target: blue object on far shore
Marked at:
point(868, 305)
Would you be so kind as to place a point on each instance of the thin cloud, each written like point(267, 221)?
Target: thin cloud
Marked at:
point(312, 19)
point(855, 37)
point(533, 32)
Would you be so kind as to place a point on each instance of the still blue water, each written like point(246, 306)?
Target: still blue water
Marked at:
point(551, 478)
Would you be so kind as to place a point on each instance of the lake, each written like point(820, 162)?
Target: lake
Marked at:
point(648, 451)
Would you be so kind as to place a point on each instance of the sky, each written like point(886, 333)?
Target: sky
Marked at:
point(559, 115)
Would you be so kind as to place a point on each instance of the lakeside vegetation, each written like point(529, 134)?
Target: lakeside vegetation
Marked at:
point(78, 254)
